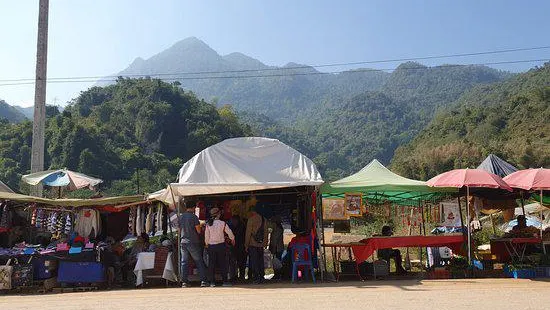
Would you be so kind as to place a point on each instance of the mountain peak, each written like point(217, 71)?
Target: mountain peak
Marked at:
point(192, 43)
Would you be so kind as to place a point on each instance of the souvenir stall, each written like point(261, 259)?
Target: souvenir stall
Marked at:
point(377, 190)
point(59, 242)
point(238, 174)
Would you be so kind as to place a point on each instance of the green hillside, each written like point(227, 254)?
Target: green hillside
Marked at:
point(342, 134)
point(9, 113)
point(509, 119)
point(111, 132)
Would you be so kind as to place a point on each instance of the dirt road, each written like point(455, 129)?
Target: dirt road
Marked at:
point(411, 294)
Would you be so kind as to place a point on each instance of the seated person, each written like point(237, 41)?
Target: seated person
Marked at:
point(387, 254)
point(522, 230)
point(522, 223)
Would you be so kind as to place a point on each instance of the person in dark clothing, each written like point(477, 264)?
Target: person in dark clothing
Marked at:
point(237, 258)
point(387, 254)
point(191, 245)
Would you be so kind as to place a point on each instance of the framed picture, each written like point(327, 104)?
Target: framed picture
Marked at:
point(354, 204)
point(334, 209)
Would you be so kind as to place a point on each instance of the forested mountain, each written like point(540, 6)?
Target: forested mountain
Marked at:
point(343, 135)
point(282, 93)
point(112, 131)
point(28, 111)
point(509, 119)
point(9, 113)
point(342, 121)
point(148, 127)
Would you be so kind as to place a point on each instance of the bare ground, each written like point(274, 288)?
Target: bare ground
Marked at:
point(405, 294)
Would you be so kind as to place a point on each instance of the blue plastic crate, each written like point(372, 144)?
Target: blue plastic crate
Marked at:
point(80, 272)
point(522, 274)
point(540, 272)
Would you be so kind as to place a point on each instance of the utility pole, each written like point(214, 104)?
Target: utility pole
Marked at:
point(39, 122)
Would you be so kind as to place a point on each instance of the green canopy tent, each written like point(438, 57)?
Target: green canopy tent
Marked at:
point(378, 184)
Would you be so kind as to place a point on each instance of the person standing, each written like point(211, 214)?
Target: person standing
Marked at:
point(276, 243)
point(214, 238)
point(255, 242)
point(191, 246)
point(237, 259)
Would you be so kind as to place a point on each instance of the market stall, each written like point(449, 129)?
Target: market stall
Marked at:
point(238, 174)
point(375, 189)
point(68, 241)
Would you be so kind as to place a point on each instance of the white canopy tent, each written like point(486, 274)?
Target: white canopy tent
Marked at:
point(5, 188)
point(242, 165)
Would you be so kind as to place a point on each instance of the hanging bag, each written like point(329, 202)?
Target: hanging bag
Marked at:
point(22, 274)
point(5, 276)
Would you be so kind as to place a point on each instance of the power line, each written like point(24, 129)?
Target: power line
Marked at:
point(299, 67)
point(183, 77)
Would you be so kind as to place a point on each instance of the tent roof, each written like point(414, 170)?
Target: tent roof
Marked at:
point(497, 165)
point(245, 164)
point(5, 188)
point(378, 181)
point(109, 201)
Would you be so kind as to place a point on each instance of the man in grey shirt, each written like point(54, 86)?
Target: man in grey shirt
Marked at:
point(191, 245)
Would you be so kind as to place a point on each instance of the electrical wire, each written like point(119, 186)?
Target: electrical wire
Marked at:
point(296, 67)
point(178, 77)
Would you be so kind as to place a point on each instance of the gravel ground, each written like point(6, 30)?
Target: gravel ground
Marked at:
point(395, 295)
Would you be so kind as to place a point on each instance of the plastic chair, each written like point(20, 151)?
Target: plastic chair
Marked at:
point(301, 256)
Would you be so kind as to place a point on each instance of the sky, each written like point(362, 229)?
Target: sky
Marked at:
point(102, 37)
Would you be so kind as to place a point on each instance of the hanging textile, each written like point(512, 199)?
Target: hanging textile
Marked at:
point(88, 220)
point(138, 222)
point(149, 221)
point(164, 219)
point(5, 218)
point(68, 224)
point(132, 221)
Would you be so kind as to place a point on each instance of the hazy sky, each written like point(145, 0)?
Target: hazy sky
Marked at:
point(102, 37)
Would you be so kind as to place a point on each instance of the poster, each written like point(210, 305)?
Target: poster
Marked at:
point(451, 214)
point(333, 209)
point(353, 204)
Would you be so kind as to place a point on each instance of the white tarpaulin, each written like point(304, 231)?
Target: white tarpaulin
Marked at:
point(243, 164)
point(5, 188)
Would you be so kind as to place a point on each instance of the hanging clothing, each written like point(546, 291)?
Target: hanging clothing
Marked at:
point(5, 218)
point(86, 221)
point(68, 224)
point(164, 219)
point(159, 216)
point(132, 221)
point(148, 221)
point(138, 222)
point(33, 218)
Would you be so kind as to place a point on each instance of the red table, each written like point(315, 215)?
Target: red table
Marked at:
point(367, 247)
point(506, 249)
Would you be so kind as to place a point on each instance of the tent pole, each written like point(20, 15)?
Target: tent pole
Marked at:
point(522, 203)
point(424, 231)
point(541, 221)
point(468, 223)
point(178, 230)
point(493, 224)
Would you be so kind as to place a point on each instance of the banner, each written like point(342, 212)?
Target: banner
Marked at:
point(451, 214)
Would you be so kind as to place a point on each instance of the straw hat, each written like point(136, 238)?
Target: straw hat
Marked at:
point(214, 211)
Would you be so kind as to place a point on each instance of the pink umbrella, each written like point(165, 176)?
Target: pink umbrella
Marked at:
point(468, 178)
point(531, 180)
